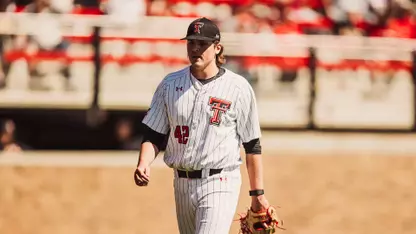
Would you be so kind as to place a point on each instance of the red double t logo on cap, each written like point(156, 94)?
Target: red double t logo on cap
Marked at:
point(197, 27)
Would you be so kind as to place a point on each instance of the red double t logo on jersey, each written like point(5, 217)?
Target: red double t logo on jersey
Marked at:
point(219, 107)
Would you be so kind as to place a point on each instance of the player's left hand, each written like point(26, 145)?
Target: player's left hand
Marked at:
point(259, 203)
point(262, 222)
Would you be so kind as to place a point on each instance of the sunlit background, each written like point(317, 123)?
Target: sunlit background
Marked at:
point(335, 85)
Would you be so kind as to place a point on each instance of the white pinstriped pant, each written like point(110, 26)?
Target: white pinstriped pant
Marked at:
point(208, 205)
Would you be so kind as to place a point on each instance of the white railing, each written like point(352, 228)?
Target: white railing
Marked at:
point(174, 28)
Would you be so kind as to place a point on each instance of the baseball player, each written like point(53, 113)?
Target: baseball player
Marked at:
point(206, 112)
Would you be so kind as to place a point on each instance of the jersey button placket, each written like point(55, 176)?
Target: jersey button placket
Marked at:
point(197, 113)
point(194, 124)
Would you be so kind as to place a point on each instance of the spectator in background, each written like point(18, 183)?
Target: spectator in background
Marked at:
point(4, 4)
point(309, 16)
point(158, 8)
point(124, 11)
point(125, 135)
point(245, 21)
point(8, 140)
point(47, 39)
point(286, 24)
point(401, 22)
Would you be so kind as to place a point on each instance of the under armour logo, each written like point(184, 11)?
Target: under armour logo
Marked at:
point(197, 27)
point(179, 88)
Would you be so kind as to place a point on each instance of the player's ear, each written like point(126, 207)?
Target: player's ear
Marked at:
point(218, 48)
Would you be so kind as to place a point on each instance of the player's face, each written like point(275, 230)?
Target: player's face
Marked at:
point(202, 53)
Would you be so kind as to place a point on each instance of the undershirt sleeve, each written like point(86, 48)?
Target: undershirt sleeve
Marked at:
point(253, 146)
point(154, 137)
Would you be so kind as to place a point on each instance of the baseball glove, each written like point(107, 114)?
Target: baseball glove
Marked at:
point(260, 223)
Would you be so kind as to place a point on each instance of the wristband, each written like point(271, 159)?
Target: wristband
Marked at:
point(256, 192)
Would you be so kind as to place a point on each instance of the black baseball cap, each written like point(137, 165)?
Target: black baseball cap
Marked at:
point(203, 29)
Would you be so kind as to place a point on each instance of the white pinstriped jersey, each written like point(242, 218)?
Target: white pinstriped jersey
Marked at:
point(207, 122)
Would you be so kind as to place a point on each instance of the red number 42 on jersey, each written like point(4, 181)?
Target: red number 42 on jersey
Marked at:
point(182, 134)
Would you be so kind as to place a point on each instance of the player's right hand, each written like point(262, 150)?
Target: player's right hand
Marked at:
point(142, 175)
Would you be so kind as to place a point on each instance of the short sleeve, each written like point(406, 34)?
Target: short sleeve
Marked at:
point(248, 126)
point(156, 117)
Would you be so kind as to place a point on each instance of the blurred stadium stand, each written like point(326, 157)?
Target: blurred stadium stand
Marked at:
point(314, 64)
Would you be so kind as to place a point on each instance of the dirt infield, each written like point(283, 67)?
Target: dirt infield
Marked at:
point(325, 194)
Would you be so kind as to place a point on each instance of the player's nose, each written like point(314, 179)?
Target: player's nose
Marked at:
point(195, 48)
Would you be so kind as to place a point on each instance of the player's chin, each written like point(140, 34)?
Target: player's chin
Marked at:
point(197, 64)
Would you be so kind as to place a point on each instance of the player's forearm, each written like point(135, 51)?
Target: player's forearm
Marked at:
point(254, 165)
point(148, 153)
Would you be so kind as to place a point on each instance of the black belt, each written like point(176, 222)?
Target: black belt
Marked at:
point(196, 174)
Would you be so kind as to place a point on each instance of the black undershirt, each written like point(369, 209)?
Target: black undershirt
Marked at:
point(218, 75)
point(150, 135)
